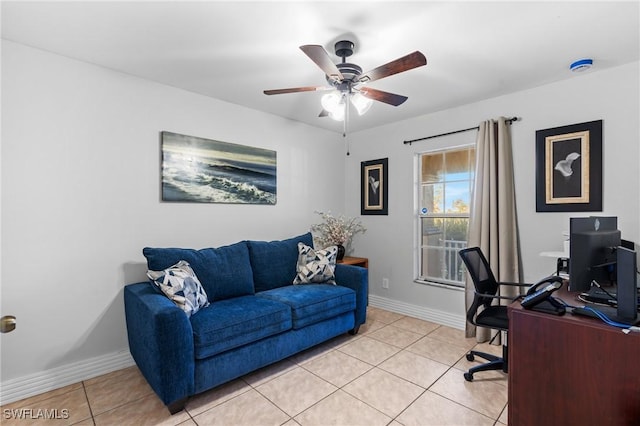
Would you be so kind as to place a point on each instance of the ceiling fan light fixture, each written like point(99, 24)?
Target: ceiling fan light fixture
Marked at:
point(333, 103)
point(330, 101)
point(361, 102)
point(338, 114)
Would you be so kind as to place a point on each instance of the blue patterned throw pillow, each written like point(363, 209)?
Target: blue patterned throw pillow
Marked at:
point(316, 266)
point(180, 284)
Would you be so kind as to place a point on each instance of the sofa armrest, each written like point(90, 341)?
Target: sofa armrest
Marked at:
point(160, 341)
point(356, 278)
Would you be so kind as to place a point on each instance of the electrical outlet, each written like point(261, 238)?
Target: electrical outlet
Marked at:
point(385, 283)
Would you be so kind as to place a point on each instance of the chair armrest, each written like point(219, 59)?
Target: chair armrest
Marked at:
point(518, 285)
point(515, 284)
point(160, 341)
point(495, 296)
point(357, 279)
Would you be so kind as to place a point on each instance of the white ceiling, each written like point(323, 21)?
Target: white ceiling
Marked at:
point(234, 50)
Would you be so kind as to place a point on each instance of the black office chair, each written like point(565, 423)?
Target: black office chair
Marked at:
point(492, 316)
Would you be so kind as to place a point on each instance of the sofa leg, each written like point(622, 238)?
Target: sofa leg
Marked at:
point(177, 406)
point(354, 331)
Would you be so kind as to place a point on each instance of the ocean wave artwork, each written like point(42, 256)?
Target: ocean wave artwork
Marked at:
point(208, 171)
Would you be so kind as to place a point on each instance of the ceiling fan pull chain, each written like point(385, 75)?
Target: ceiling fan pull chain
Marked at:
point(346, 120)
point(346, 114)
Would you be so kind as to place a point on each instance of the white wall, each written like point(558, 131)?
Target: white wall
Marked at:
point(611, 95)
point(81, 197)
point(81, 189)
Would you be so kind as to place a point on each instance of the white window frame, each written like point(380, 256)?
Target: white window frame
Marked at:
point(418, 245)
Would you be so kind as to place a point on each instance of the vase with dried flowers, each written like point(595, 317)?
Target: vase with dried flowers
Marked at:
point(337, 231)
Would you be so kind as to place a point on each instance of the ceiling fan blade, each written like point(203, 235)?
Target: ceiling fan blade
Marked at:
point(321, 58)
point(406, 63)
point(386, 97)
point(323, 113)
point(296, 90)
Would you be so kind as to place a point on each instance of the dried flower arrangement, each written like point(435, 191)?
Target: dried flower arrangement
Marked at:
point(336, 230)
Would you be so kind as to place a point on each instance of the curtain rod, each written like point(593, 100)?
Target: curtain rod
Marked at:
point(508, 121)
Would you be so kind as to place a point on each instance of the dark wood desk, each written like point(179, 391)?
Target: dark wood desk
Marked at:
point(356, 261)
point(571, 370)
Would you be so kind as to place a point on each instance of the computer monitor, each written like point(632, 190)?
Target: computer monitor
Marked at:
point(592, 251)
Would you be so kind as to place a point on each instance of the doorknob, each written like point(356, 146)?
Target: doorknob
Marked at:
point(7, 324)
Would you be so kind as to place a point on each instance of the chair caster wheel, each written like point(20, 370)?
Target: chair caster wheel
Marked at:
point(468, 377)
point(470, 357)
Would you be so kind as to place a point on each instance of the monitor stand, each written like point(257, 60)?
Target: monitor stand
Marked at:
point(598, 295)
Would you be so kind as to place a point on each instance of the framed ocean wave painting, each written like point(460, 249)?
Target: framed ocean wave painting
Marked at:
point(202, 170)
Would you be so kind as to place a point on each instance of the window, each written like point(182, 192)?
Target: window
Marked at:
point(445, 185)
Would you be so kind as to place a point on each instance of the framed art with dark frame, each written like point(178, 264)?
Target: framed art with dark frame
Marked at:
point(569, 168)
point(374, 187)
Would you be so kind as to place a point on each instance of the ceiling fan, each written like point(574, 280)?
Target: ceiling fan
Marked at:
point(347, 81)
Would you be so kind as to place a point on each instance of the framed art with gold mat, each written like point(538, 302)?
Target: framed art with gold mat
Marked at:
point(569, 168)
point(374, 187)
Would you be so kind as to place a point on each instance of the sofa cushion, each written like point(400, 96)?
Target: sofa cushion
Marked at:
point(231, 323)
point(224, 272)
point(180, 284)
point(312, 303)
point(274, 262)
point(316, 266)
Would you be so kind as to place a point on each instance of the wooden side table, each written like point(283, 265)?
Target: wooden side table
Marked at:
point(356, 261)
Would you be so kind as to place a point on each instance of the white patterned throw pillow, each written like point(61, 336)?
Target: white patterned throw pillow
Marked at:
point(316, 266)
point(180, 284)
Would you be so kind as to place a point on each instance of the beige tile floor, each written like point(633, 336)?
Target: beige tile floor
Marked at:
point(397, 371)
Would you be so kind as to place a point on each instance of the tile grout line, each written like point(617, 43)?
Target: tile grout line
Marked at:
point(255, 388)
point(86, 396)
point(452, 366)
point(458, 402)
point(338, 388)
point(373, 367)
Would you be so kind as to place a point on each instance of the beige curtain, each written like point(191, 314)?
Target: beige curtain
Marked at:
point(493, 226)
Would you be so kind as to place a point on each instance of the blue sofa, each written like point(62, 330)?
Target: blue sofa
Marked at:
point(255, 317)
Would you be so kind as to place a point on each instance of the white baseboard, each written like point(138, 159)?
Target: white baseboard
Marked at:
point(55, 378)
point(420, 312)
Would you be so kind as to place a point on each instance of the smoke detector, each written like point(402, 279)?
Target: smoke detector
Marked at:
point(581, 65)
